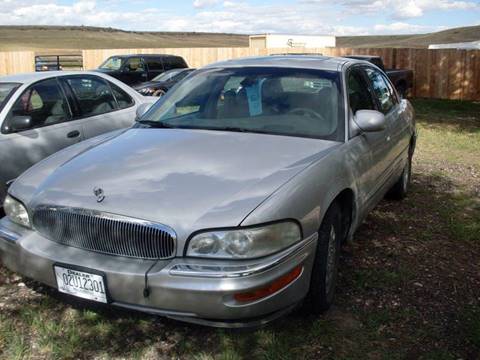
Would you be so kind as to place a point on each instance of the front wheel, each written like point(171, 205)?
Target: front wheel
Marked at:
point(325, 267)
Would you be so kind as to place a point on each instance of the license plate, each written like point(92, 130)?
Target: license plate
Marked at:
point(81, 284)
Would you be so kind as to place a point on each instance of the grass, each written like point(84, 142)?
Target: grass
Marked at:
point(409, 285)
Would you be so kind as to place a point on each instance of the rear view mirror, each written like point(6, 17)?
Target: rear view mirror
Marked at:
point(370, 120)
point(19, 123)
point(142, 109)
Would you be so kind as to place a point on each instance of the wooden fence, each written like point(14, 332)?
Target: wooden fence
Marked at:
point(15, 62)
point(442, 74)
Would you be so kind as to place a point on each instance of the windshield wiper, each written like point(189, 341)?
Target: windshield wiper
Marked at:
point(238, 129)
point(156, 124)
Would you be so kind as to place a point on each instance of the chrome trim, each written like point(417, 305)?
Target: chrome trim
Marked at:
point(121, 224)
point(9, 235)
point(235, 271)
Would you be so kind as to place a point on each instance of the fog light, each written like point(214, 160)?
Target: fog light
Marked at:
point(275, 286)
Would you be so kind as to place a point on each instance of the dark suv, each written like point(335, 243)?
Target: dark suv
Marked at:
point(138, 68)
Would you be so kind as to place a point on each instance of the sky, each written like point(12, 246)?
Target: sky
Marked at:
point(344, 17)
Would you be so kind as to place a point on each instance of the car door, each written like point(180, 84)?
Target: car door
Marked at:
point(50, 128)
point(369, 150)
point(388, 104)
point(154, 66)
point(99, 105)
point(134, 71)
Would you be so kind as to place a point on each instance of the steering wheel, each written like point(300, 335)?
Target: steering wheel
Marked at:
point(307, 112)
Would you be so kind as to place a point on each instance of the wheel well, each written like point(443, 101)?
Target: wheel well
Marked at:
point(346, 201)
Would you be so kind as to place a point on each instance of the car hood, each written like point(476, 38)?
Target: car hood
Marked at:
point(186, 179)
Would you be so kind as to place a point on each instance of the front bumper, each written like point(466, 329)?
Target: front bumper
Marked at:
point(194, 290)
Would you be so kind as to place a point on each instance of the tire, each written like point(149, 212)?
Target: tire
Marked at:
point(400, 189)
point(160, 92)
point(325, 268)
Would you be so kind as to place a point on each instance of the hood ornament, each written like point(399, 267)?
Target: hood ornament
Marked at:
point(99, 193)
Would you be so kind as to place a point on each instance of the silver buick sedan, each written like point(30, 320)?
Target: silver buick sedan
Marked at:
point(227, 203)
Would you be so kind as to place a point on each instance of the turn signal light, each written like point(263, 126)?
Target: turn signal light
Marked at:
point(275, 286)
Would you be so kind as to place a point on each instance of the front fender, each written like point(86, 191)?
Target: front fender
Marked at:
point(308, 195)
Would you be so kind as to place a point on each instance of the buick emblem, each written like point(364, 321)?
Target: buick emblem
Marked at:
point(98, 192)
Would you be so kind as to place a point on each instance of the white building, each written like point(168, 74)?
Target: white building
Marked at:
point(474, 45)
point(266, 41)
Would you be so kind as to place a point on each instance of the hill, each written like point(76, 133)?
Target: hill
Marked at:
point(51, 38)
point(463, 34)
point(85, 37)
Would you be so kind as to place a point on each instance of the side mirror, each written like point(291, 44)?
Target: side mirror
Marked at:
point(142, 109)
point(19, 123)
point(370, 120)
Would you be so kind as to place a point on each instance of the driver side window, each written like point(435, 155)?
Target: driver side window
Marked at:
point(43, 102)
point(358, 93)
point(135, 65)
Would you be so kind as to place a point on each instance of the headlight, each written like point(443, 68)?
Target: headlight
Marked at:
point(16, 212)
point(245, 243)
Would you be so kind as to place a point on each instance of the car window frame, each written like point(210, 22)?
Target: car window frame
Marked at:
point(348, 113)
point(62, 92)
point(389, 86)
point(78, 115)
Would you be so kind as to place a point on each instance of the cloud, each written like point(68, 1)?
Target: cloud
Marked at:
point(234, 16)
point(200, 4)
point(405, 28)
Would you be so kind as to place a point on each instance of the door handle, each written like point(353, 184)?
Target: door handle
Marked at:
point(73, 134)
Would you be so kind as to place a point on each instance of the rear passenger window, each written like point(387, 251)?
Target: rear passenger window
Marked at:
point(123, 99)
point(382, 90)
point(93, 95)
point(43, 102)
point(154, 64)
point(173, 63)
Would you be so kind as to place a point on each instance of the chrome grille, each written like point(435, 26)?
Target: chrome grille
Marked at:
point(105, 233)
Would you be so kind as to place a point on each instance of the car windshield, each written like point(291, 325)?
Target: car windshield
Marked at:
point(6, 90)
point(112, 63)
point(167, 75)
point(281, 101)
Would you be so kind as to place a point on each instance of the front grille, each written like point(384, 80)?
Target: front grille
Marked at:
point(105, 233)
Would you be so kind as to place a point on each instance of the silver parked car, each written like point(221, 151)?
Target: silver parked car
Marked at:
point(228, 202)
point(41, 113)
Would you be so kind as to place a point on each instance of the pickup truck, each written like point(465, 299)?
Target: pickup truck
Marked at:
point(402, 79)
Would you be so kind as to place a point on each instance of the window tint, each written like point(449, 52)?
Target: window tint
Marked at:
point(93, 95)
point(358, 93)
point(134, 65)
point(154, 64)
point(44, 103)
point(123, 99)
point(382, 90)
point(173, 63)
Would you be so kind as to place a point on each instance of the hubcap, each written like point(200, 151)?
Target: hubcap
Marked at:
point(331, 256)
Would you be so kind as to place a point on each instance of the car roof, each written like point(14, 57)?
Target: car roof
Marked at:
point(145, 55)
point(41, 75)
point(295, 61)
